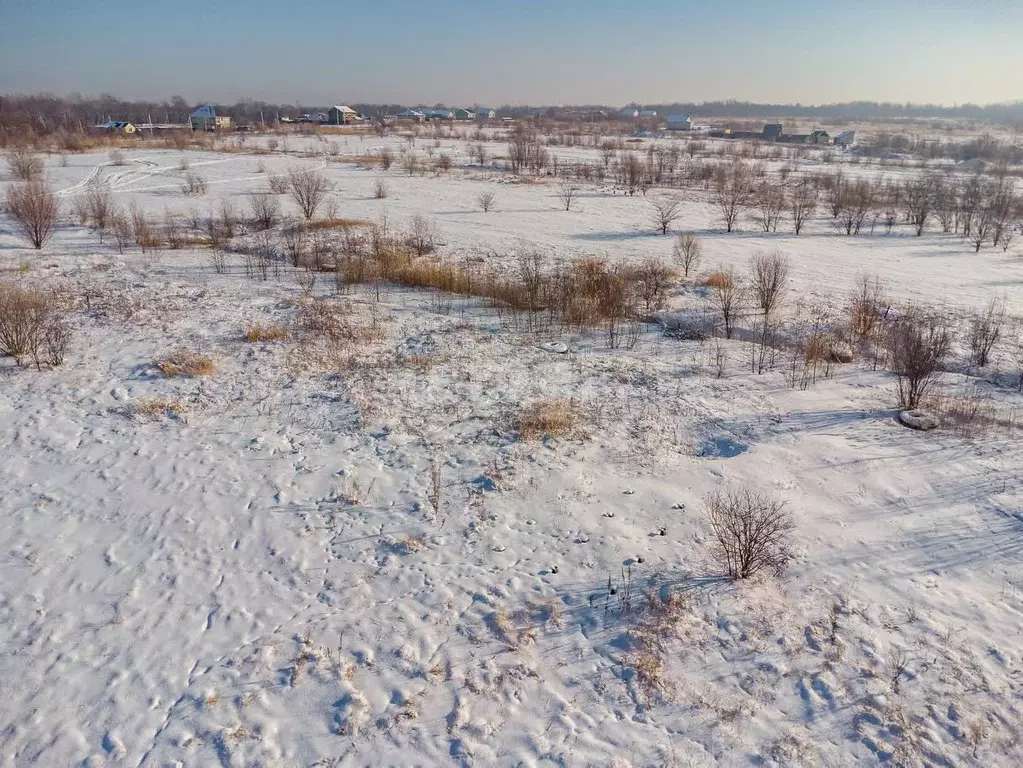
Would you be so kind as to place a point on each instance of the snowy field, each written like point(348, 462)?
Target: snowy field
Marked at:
point(361, 561)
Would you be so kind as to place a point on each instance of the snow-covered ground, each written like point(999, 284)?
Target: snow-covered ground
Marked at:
point(273, 577)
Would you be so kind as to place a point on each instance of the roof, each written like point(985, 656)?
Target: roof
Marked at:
point(681, 117)
point(204, 111)
point(345, 110)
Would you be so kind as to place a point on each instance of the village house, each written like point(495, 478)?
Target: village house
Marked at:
point(205, 118)
point(341, 115)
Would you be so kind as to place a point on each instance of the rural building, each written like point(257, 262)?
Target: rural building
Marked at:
point(341, 115)
point(772, 132)
point(647, 113)
point(411, 114)
point(845, 139)
point(485, 114)
point(439, 114)
point(679, 122)
point(819, 136)
point(464, 114)
point(205, 118)
point(116, 126)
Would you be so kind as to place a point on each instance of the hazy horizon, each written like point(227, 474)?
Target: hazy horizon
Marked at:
point(454, 52)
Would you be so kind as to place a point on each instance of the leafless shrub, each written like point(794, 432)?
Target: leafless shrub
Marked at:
point(751, 531)
point(478, 153)
point(279, 184)
point(309, 189)
point(219, 261)
point(547, 418)
point(116, 157)
point(421, 236)
point(194, 184)
point(101, 208)
point(54, 342)
point(23, 165)
point(409, 162)
point(985, 330)
point(918, 343)
point(485, 201)
point(898, 662)
point(687, 252)
point(380, 190)
point(24, 316)
point(228, 220)
point(80, 209)
point(306, 279)
point(146, 236)
point(567, 193)
point(666, 212)
point(266, 211)
point(123, 234)
point(651, 280)
point(386, 158)
point(295, 239)
point(868, 307)
point(172, 232)
point(34, 208)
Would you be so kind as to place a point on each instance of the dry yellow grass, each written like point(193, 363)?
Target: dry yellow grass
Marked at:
point(270, 332)
point(155, 407)
point(718, 280)
point(184, 363)
point(337, 223)
point(547, 418)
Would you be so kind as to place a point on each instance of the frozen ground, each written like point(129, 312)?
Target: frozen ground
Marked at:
point(271, 580)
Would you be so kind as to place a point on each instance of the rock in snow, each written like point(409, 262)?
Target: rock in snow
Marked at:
point(919, 419)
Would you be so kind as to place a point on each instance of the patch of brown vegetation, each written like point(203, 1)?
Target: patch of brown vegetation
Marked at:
point(185, 363)
point(258, 331)
point(547, 418)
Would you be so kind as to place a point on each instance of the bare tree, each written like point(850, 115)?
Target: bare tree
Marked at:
point(768, 280)
point(802, 204)
point(687, 252)
point(35, 210)
point(751, 531)
point(985, 330)
point(918, 343)
point(380, 190)
point(920, 193)
point(666, 212)
point(567, 193)
point(478, 153)
point(981, 227)
point(769, 202)
point(121, 226)
point(309, 189)
point(727, 295)
point(732, 193)
point(485, 201)
point(266, 211)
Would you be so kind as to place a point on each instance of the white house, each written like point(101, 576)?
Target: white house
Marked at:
point(679, 122)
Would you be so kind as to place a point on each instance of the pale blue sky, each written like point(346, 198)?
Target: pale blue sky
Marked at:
point(518, 51)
